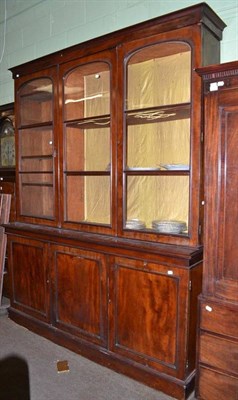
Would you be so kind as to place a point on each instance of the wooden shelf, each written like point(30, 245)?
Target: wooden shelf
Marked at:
point(159, 114)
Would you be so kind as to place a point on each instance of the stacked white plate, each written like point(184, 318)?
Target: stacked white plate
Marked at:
point(169, 226)
point(135, 224)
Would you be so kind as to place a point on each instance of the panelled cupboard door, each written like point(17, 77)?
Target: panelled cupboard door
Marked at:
point(148, 314)
point(30, 284)
point(36, 146)
point(221, 191)
point(88, 141)
point(80, 294)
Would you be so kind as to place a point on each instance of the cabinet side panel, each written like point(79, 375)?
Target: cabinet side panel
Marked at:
point(195, 290)
point(211, 48)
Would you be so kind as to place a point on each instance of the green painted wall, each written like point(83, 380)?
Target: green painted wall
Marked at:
point(32, 28)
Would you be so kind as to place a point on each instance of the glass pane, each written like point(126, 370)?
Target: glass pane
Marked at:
point(157, 198)
point(159, 145)
point(87, 91)
point(87, 149)
point(37, 200)
point(159, 75)
point(36, 164)
point(88, 199)
point(36, 102)
point(45, 179)
point(36, 149)
point(36, 142)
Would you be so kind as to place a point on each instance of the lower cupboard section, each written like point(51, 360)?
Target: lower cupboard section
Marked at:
point(136, 315)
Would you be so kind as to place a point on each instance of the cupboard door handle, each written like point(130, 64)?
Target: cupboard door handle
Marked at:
point(208, 308)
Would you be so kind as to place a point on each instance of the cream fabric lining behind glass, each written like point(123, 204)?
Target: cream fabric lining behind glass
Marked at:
point(160, 81)
point(97, 149)
point(157, 82)
point(158, 198)
point(151, 145)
